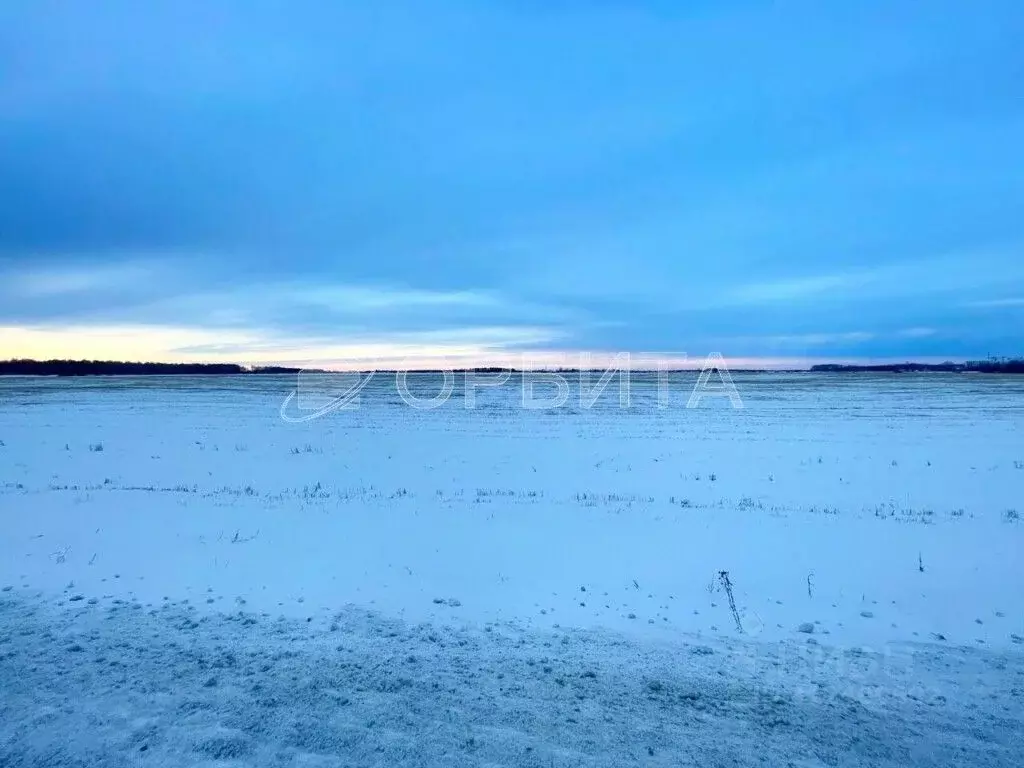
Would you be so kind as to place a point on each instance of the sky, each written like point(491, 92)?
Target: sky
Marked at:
point(337, 183)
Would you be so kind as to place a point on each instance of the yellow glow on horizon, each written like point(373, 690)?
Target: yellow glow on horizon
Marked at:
point(129, 343)
point(181, 344)
point(168, 344)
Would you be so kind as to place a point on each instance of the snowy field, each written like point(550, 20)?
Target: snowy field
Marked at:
point(830, 576)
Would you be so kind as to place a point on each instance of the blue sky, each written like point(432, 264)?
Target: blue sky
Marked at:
point(328, 181)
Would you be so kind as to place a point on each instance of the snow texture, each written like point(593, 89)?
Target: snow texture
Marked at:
point(129, 686)
point(830, 576)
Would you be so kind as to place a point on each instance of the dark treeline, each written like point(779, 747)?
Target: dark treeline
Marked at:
point(119, 368)
point(999, 365)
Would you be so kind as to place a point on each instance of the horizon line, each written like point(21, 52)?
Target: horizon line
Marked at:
point(742, 364)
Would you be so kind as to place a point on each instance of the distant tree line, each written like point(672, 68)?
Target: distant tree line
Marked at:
point(120, 368)
point(992, 365)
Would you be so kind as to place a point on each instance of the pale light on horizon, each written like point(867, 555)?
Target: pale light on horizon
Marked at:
point(181, 344)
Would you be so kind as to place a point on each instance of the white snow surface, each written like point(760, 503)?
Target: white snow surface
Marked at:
point(189, 579)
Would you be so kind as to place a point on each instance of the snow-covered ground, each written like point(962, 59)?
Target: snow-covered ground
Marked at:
point(192, 580)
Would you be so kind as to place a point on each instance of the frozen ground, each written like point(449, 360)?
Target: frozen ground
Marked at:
point(123, 685)
point(191, 574)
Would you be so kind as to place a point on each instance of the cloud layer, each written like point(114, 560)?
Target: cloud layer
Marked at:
point(758, 179)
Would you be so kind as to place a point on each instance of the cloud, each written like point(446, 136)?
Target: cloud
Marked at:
point(952, 273)
point(1009, 302)
point(916, 333)
point(62, 281)
point(834, 340)
point(802, 339)
point(798, 288)
point(342, 172)
point(361, 298)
